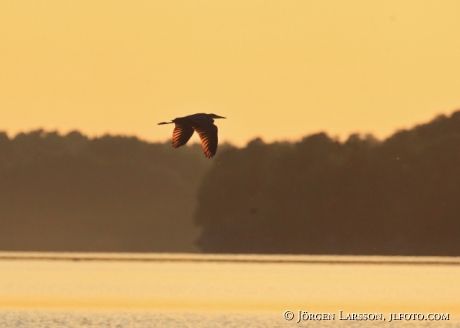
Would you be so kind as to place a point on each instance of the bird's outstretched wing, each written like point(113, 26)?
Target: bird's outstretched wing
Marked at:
point(181, 134)
point(208, 136)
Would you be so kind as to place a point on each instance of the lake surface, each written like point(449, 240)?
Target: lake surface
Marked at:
point(180, 290)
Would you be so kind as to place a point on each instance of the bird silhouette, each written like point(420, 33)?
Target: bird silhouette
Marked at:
point(203, 124)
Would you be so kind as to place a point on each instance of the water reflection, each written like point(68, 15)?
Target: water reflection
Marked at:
point(231, 289)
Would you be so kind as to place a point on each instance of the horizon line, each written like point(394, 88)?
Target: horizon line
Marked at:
point(229, 258)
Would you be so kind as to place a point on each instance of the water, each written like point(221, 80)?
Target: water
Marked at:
point(164, 290)
point(119, 319)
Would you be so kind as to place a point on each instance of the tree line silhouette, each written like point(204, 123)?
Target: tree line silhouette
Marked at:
point(400, 196)
point(73, 193)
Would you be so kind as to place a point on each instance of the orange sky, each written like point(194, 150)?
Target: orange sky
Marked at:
point(276, 69)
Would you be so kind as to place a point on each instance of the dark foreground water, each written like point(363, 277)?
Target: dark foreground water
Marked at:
point(165, 290)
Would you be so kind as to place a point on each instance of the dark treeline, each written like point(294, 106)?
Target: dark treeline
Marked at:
point(400, 196)
point(72, 193)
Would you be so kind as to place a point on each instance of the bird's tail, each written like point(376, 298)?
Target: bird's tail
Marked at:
point(161, 123)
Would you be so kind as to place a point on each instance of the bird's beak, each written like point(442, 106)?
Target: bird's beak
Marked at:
point(217, 116)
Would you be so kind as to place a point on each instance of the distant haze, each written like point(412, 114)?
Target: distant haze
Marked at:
point(278, 70)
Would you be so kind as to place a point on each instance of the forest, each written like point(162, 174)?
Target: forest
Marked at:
point(400, 196)
point(319, 195)
point(113, 193)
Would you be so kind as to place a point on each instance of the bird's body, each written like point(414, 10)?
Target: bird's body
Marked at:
point(203, 124)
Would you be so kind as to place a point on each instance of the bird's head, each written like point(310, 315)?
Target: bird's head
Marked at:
point(214, 116)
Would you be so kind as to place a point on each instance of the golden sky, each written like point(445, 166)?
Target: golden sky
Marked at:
point(275, 69)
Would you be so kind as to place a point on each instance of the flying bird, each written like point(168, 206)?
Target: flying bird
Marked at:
point(203, 124)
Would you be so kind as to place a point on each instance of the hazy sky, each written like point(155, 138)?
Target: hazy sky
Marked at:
point(276, 69)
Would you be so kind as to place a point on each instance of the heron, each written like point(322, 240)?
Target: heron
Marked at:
point(203, 124)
